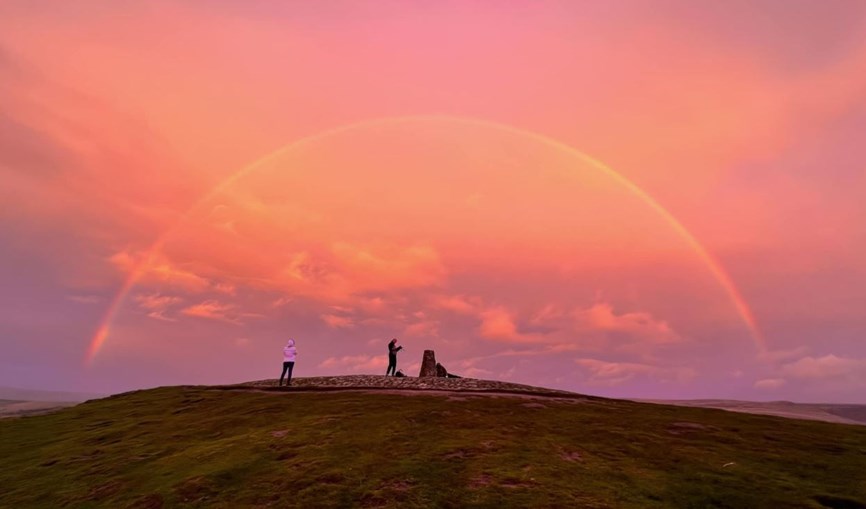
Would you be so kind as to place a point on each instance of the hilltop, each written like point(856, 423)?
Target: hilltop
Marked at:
point(376, 442)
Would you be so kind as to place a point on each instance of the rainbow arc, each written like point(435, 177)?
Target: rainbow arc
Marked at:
point(714, 266)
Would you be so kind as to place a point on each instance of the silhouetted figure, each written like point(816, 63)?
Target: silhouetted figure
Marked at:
point(290, 353)
point(392, 357)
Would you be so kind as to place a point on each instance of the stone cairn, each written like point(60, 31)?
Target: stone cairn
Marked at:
point(431, 368)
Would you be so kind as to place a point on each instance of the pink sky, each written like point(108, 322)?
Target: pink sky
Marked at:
point(442, 193)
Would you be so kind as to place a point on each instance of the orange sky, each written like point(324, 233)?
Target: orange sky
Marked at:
point(510, 255)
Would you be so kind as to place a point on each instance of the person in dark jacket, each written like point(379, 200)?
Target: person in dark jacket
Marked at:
point(392, 357)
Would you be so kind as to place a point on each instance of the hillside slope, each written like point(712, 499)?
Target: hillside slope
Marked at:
point(249, 447)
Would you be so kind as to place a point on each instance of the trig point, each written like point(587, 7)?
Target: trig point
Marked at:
point(428, 364)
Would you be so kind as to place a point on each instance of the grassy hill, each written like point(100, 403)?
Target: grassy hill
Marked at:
point(211, 447)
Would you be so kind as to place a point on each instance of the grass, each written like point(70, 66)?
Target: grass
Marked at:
point(196, 447)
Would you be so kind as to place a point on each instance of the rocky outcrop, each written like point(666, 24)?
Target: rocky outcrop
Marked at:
point(428, 364)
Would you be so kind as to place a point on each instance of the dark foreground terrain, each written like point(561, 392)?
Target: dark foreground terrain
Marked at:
point(413, 447)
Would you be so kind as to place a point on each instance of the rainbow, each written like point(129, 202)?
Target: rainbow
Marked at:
point(714, 266)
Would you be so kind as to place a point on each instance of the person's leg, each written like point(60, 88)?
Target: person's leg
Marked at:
point(283, 374)
point(392, 365)
point(291, 367)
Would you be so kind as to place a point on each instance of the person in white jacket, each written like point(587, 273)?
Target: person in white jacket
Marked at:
point(290, 353)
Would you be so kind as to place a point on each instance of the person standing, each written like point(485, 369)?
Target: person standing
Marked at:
point(290, 353)
point(392, 357)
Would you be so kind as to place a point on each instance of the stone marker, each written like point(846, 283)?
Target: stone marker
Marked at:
point(428, 364)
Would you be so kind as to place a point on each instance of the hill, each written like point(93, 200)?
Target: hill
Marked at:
point(828, 412)
point(376, 442)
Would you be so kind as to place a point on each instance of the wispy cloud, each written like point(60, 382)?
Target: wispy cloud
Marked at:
point(770, 383)
point(639, 324)
point(213, 310)
point(616, 373)
point(827, 367)
point(338, 321)
point(356, 363)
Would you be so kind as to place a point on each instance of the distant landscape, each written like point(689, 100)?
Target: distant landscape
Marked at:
point(15, 402)
point(839, 413)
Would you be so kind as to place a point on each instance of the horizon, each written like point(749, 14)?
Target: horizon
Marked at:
point(653, 200)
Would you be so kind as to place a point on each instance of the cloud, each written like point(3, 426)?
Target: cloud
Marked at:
point(373, 305)
point(337, 321)
point(616, 373)
point(498, 324)
point(213, 310)
point(423, 328)
point(782, 355)
point(389, 267)
point(826, 367)
point(355, 273)
point(546, 314)
point(356, 363)
point(638, 324)
point(155, 268)
point(282, 301)
point(474, 372)
point(157, 304)
point(770, 383)
point(156, 301)
point(225, 288)
point(459, 304)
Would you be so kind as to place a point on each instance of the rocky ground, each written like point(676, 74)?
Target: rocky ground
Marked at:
point(410, 383)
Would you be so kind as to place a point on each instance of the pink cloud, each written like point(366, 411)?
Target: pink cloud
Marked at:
point(456, 303)
point(783, 354)
point(640, 324)
point(546, 314)
point(282, 301)
point(429, 328)
point(770, 383)
point(385, 267)
point(616, 373)
point(213, 310)
point(498, 324)
point(355, 363)
point(826, 367)
point(157, 305)
point(157, 269)
point(156, 301)
point(226, 288)
point(337, 321)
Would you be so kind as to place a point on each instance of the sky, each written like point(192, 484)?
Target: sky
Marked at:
point(647, 199)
